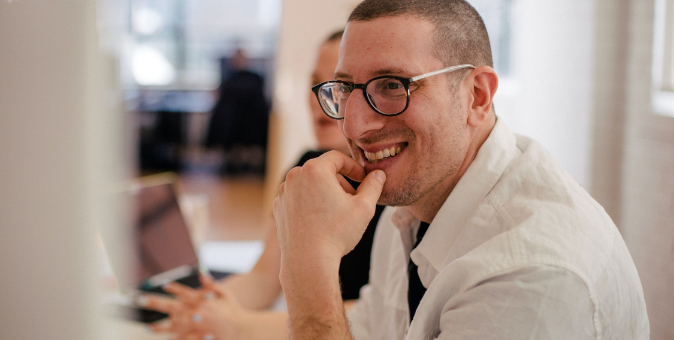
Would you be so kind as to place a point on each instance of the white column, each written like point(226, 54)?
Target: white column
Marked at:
point(59, 146)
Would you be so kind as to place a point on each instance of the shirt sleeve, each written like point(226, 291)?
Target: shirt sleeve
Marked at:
point(535, 302)
point(358, 315)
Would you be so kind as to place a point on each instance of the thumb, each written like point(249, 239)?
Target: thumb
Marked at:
point(370, 188)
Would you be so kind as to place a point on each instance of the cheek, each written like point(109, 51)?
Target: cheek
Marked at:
point(316, 110)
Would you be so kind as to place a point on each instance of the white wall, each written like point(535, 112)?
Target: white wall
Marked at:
point(549, 96)
point(58, 148)
point(648, 177)
point(633, 156)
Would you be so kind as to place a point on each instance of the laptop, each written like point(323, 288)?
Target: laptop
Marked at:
point(156, 248)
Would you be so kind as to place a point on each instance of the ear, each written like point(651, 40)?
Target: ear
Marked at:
point(484, 84)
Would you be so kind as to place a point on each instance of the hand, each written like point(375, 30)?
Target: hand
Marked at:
point(320, 218)
point(223, 317)
point(183, 319)
point(213, 313)
point(317, 212)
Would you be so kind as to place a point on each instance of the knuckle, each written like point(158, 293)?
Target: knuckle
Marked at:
point(294, 172)
point(312, 166)
point(332, 153)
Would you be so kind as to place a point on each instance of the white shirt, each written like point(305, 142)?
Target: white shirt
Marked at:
point(518, 251)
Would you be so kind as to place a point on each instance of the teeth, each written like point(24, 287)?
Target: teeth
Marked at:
point(379, 155)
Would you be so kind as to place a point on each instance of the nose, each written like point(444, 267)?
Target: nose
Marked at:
point(359, 117)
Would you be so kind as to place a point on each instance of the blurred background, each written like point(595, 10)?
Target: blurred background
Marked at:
point(93, 93)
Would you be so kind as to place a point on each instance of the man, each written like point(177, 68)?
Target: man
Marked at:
point(490, 238)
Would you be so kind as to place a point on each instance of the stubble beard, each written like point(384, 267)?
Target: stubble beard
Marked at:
point(416, 186)
point(426, 176)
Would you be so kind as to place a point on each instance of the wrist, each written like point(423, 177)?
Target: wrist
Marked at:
point(309, 270)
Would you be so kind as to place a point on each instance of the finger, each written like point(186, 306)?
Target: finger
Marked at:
point(182, 322)
point(184, 293)
point(207, 282)
point(346, 185)
point(343, 164)
point(223, 292)
point(158, 303)
point(280, 188)
point(161, 326)
point(274, 207)
point(370, 188)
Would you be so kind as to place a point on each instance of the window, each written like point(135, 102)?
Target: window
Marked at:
point(497, 18)
point(662, 92)
point(180, 43)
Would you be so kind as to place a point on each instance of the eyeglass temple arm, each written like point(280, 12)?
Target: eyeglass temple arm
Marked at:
point(449, 69)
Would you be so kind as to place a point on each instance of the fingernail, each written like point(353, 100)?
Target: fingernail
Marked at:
point(197, 318)
point(381, 176)
point(209, 337)
point(209, 296)
point(142, 301)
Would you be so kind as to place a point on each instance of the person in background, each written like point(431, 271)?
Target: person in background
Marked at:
point(237, 307)
point(239, 123)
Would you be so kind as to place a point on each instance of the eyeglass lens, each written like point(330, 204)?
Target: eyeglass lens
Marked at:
point(387, 95)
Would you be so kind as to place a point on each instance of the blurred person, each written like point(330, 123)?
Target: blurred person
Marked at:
point(240, 118)
point(235, 307)
point(486, 236)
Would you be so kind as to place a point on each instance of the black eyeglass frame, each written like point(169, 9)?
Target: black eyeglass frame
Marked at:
point(403, 80)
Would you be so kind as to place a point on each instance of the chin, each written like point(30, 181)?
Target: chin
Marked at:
point(397, 195)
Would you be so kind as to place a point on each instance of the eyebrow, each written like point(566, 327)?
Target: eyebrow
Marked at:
point(377, 73)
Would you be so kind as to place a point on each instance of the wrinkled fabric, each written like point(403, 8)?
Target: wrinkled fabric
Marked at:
point(518, 251)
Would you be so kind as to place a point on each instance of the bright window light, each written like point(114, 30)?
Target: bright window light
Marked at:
point(146, 20)
point(150, 67)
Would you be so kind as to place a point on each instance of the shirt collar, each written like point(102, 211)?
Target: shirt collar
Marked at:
point(484, 172)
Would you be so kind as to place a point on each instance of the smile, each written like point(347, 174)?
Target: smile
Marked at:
point(374, 157)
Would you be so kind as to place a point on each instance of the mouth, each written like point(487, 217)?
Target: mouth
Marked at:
point(376, 156)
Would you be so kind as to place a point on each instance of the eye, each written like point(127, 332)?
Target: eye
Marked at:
point(343, 89)
point(387, 87)
point(392, 85)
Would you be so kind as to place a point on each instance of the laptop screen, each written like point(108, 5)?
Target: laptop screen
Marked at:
point(164, 246)
point(156, 248)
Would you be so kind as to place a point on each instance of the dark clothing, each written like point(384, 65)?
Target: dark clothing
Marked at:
point(241, 115)
point(354, 270)
point(416, 289)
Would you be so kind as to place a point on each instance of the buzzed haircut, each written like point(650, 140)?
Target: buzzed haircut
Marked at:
point(460, 34)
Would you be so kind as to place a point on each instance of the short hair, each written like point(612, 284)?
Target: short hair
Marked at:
point(334, 36)
point(460, 34)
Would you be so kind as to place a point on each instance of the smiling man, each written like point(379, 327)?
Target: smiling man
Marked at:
point(488, 237)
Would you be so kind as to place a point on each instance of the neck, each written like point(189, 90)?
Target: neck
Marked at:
point(428, 206)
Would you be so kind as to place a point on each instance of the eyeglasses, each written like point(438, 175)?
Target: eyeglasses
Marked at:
point(388, 95)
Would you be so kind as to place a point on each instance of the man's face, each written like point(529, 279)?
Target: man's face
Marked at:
point(432, 133)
